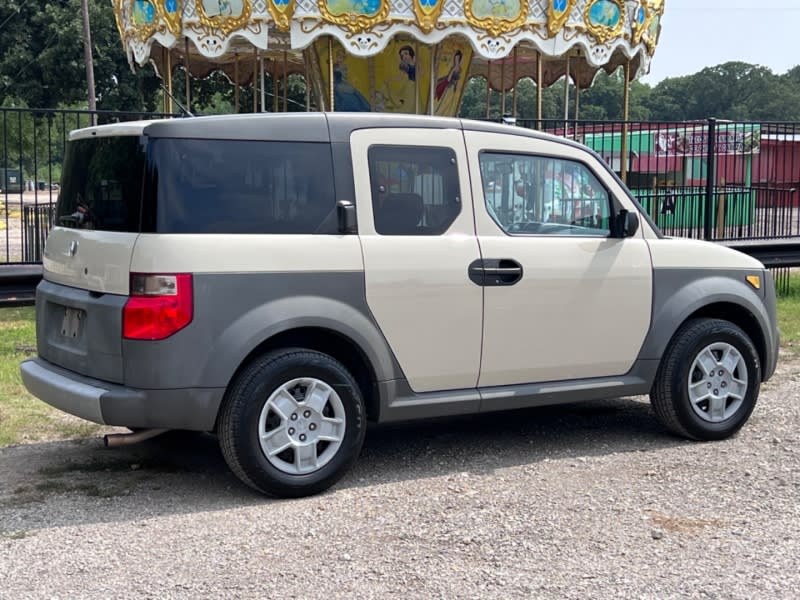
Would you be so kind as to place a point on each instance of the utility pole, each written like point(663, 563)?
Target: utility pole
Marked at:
point(87, 58)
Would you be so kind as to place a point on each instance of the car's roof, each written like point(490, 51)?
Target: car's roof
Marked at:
point(300, 126)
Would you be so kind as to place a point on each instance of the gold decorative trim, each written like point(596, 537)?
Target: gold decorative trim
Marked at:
point(427, 16)
point(354, 22)
point(145, 31)
point(639, 28)
point(652, 40)
point(119, 6)
point(604, 33)
point(281, 13)
point(495, 26)
point(224, 24)
point(173, 20)
point(556, 21)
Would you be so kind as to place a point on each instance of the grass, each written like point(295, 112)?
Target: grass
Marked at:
point(789, 315)
point(24, 418)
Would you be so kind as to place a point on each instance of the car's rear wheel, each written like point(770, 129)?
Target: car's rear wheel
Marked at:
point(708, 381)
point(292, 423)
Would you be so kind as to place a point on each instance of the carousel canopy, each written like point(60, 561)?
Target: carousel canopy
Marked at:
point(216, 34)
point(410, 56)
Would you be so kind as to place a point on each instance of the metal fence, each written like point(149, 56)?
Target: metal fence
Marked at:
point(32, 145)
point(714, 180)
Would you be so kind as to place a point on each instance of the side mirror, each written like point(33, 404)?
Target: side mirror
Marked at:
point(627, 223)
point(346, 216)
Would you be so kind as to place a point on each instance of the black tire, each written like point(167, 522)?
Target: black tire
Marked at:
point(238, 424)
point(670, 394)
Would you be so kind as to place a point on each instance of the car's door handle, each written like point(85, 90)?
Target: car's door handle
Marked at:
point(495, 271)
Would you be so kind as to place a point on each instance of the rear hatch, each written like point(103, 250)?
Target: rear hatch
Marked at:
point(88, 252)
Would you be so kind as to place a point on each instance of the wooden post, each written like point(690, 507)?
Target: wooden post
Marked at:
point(721, 212)
point(87, 59)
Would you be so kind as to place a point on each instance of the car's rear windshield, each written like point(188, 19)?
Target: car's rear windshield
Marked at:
point(168, 185)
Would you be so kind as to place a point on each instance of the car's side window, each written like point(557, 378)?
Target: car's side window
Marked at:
point(528, 194)
point(415, 189)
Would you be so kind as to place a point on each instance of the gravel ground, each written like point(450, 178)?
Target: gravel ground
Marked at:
point(590, 500)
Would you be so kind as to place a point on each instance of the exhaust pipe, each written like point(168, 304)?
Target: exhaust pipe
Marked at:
point(114, 440)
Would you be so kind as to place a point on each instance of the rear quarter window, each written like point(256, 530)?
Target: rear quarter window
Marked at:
point(232, 186)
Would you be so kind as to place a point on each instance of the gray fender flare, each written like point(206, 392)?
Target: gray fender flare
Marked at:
point(253, 328)
point(678, 294)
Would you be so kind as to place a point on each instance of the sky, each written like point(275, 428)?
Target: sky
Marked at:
point(701, 33)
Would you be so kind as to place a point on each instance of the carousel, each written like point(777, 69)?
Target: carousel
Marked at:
point(411, 56)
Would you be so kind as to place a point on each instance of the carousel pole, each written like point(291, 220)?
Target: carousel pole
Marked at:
point(626, 102)
point(432, 87)
point(236, 82)
point(488, 87)
point(263, 87)
point(186, 67)
point(307, 86)
point(332, 107)
point(566, 99)
point(503, 88)
point(275, 104)
point(577, 100)
point(285, 81)
point(539, 78)
point(416, 80)
point(255, 80)
point(167, 76)
point(514, 92)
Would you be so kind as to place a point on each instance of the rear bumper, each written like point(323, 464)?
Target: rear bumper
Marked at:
point(111, 404)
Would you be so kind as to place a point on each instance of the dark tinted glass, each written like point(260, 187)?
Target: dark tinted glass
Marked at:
point(101, 184)
point(414, 189)
point(229, 186)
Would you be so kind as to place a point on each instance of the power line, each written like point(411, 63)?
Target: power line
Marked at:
point(13, 13)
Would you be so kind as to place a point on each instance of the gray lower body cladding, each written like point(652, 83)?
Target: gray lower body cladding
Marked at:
point(111, 404)
point(179, 382)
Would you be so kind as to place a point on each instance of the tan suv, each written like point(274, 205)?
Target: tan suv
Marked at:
point(282, 279)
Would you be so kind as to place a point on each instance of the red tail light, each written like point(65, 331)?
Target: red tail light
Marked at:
point(159, 306)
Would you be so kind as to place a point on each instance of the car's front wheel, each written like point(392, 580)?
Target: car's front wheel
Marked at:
point(708, 381)
point(292, 424)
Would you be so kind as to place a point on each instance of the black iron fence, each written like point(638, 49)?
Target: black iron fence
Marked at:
point(32, 145)
point(714, 180)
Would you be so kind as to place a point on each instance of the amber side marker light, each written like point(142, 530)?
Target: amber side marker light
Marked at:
point(754, 280)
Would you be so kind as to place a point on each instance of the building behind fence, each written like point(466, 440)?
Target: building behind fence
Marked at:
point(713, 180)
